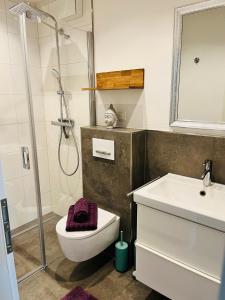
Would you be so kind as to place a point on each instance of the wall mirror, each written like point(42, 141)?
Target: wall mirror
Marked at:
point(198, 83)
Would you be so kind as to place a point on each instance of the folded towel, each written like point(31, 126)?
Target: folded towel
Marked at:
point(78, 294)
point(90, 224)
point(81, 211)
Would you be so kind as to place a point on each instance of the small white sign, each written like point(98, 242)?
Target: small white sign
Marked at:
point(103, 148)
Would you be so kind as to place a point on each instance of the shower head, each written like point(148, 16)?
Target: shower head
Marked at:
point(55, 73)
point(31, 12)
point(57, 76)
point(36, 14)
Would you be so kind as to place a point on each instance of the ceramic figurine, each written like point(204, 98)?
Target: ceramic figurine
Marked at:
point(111, 118)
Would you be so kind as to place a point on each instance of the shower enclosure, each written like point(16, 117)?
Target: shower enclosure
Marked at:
point(37, 190)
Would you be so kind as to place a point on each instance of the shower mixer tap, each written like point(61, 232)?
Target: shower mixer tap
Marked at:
point(60, 93)
point(65, 124)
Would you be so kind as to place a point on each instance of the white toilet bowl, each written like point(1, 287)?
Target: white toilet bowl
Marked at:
point(82, 245)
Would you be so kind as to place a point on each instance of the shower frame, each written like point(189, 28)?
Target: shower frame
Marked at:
point(92, 115)
point(23, 36)
point(25, 54)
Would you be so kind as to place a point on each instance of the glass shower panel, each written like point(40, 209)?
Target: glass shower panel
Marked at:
point(38, 102)
point(63, 190)
point(15, 149)
point(35, 72)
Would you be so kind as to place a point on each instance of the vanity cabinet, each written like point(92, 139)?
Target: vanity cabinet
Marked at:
point(179, 258)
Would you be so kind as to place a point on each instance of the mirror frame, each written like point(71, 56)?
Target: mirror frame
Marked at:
point(179, 13)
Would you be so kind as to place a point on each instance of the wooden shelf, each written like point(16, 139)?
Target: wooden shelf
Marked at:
point(119, 80)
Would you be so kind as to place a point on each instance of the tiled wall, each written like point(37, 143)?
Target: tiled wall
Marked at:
point(184, 154)
point(14, 126)
point(74, 67)
point(108, 182)
point(152, 154)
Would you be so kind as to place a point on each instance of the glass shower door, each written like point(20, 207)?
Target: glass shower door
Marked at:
point(18, 149)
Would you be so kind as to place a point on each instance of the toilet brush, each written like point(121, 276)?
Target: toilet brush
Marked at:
point(121, 254)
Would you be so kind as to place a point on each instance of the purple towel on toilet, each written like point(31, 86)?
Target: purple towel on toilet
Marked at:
point(90, 224)
point(78, 294)
point(81, 210)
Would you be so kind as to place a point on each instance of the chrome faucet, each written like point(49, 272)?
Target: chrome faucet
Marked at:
point(207, 174)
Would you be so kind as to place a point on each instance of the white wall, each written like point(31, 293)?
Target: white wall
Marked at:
point(137, 34)
point(74, 65)
point(14, 126)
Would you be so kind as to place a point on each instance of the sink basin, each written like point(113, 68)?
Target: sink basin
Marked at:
point(186, 197)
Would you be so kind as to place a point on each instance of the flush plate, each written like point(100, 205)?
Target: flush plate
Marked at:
point(103, 148)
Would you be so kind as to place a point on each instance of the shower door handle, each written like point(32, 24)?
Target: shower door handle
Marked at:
point(25, 157)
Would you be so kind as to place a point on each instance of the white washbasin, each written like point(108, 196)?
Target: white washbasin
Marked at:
point(180, 196)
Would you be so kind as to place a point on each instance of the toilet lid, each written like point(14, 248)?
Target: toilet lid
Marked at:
point(105, 218)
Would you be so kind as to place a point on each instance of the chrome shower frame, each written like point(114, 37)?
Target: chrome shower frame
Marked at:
point(91, 70)
point(91, 78)
point(91, 75)
point(23, 34)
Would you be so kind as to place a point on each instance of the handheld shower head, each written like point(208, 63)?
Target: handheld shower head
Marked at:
point(55, 73)
point(57, 76)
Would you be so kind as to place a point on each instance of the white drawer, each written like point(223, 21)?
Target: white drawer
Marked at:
point(173, 279)
point(195, 245)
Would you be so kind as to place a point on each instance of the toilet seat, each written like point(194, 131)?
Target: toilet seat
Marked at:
point(105, 218)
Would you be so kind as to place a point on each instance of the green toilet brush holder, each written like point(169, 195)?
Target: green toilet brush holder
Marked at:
point(121, 255)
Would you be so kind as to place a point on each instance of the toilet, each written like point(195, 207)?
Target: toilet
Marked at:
point(80, 246)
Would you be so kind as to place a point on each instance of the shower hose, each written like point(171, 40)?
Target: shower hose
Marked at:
point(67, 113)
